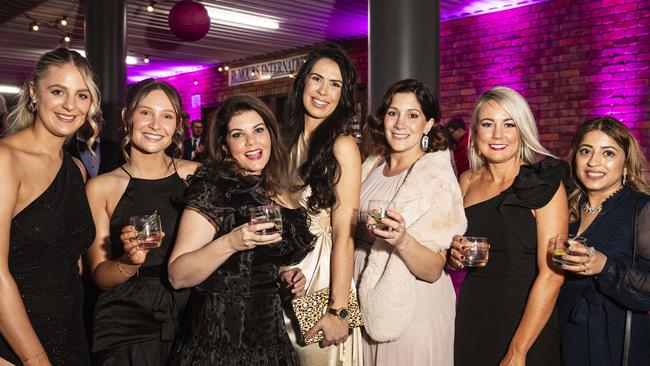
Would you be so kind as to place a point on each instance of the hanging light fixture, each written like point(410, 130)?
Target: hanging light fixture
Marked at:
point(189, 20)
point(63, 21)
point(151, 7)
point(34, 27)
point(66, 38)
point(146, 59)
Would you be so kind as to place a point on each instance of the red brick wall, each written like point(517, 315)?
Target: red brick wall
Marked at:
point(571, 59)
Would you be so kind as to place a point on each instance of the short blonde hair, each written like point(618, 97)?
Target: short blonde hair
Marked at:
point(516, 107)
point(24, 115)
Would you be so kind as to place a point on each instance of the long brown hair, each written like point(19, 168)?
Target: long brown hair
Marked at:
point(219, 156)
point(136, 94)
point(375, 136)
point(635, 162)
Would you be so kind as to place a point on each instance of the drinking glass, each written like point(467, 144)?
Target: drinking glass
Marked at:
point(267, 213)
point(476, 252)
point(561, 247)
point(377, 211)
point(149, 230)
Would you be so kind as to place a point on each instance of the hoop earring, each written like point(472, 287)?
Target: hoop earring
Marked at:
point(624, 178)
point(424, 143)
point(32, 106)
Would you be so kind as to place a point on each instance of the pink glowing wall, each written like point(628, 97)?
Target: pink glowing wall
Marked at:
point(571, 59)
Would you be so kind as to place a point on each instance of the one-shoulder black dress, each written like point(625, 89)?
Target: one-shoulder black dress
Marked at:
point(136, 322)
point(492, 299)
point(234, 317)
point(46, 239)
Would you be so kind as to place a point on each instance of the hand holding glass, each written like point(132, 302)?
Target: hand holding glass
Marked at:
point(376, 212)
point(149, 230)
point(476, 251)
point(561, 248)
point(267, 213)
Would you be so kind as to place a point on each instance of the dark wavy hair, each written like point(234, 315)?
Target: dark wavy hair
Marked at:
point(321, 170)
point(222, 161)
point(375, 135)
point(635, 162)
point(135, 94)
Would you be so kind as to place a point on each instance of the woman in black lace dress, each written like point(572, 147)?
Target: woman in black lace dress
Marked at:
point(505, 313)
point(138, 313)
point(45, 221)
point(603, 284)
point(234, 316)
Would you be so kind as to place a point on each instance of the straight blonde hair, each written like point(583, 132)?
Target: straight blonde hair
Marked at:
point(516, 107)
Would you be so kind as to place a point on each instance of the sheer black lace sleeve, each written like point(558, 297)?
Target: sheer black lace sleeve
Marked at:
point(204, 194)
point(630, 286)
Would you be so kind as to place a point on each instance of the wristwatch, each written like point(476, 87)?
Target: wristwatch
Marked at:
point(341, 313)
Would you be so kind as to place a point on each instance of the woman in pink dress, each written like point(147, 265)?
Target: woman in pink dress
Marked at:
point(407, 300)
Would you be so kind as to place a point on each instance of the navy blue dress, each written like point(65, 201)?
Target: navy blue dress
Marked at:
point(592, 309)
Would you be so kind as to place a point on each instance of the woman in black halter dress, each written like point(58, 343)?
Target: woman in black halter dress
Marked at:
point(45, 221)
point(137, 316)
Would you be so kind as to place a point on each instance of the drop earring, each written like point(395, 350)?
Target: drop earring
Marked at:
point(424, 143)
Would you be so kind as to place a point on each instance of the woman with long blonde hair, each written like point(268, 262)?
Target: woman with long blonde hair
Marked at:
point(45, 220)
point(518, 201)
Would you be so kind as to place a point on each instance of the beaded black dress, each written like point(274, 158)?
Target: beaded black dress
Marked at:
point(46, 239)
point(493, 298)
point(234, 317)
point(137, 321)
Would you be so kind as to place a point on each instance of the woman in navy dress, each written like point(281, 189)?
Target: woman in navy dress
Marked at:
point(45, 220)
point(609, 169)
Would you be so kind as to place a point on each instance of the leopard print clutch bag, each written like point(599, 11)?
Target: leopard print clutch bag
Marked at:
point(310, 308)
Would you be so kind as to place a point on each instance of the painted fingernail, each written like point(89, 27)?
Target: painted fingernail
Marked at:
point(462, 248)
point(462, 257)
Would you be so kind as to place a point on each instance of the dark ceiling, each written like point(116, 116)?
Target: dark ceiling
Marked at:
point(302, 23)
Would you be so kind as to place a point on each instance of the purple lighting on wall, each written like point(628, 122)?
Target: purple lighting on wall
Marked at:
point(621, 83)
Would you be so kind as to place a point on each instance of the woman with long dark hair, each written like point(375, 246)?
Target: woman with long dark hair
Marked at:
point(45, 220)
point(324, 177)
point(137, 314)
point(602, 281)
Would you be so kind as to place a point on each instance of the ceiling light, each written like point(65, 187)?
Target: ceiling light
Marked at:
point(63, 21)
point(33, 27)
point(146, 59)
point(66, 38)
point(9, 89)
point(196, 82)
point(235, 18)
point(226, 67)
point(220, 69)
point(130, 60)
point(151, 7)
